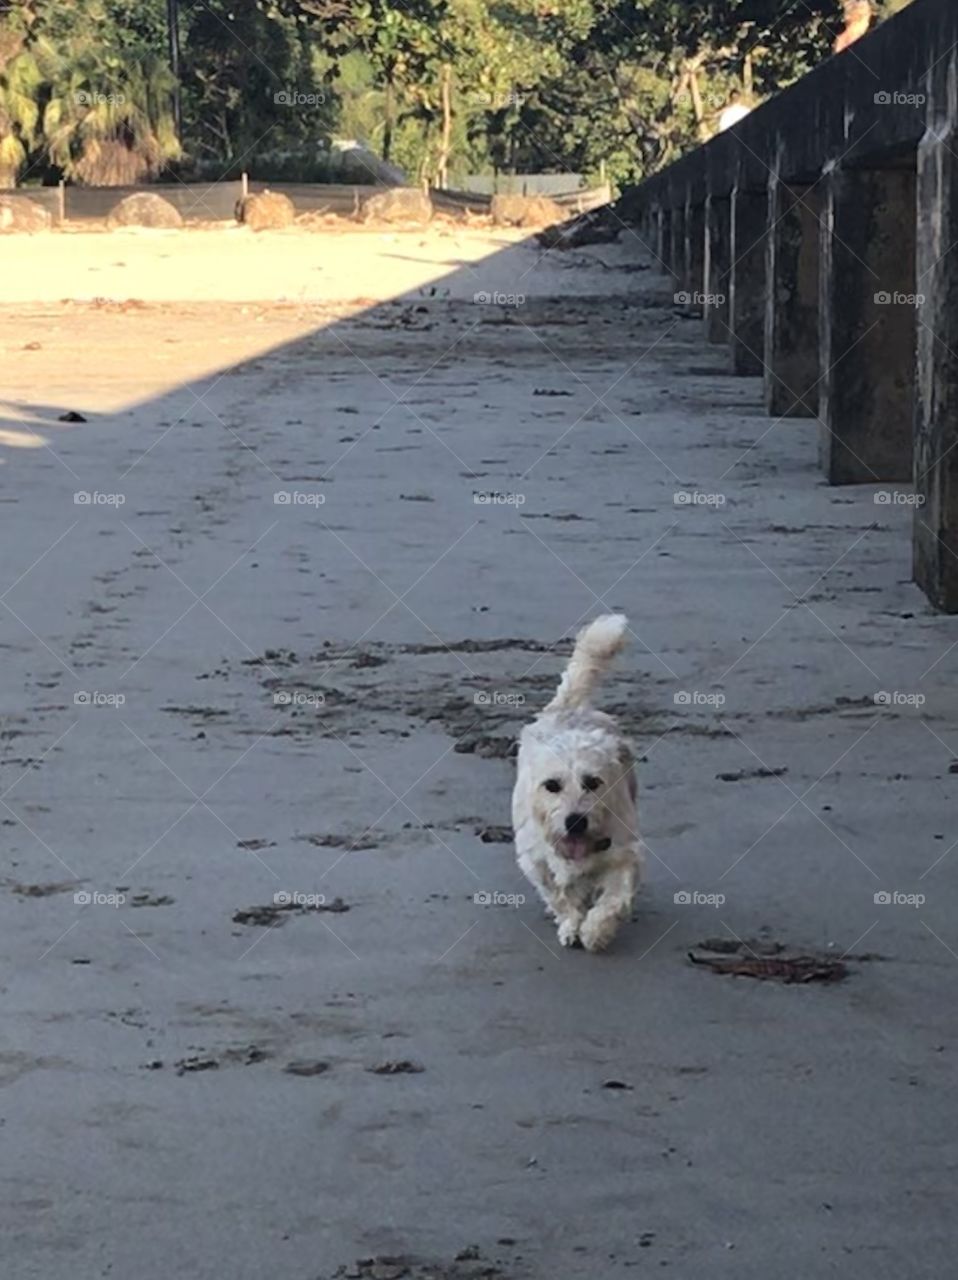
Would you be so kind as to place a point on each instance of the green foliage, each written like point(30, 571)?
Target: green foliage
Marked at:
point(440, 86)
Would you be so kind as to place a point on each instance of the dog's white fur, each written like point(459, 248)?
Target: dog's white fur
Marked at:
point(579, 844)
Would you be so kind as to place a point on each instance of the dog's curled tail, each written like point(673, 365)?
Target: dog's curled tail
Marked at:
point(595, 647)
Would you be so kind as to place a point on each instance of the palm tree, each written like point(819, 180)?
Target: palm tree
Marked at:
point(109, 122)
point(20, 85)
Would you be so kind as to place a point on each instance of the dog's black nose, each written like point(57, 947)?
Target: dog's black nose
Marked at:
point(576, 824)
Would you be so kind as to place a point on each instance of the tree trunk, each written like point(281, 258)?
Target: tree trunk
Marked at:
point(697, 109)
point(388, 126)
point(445, 139)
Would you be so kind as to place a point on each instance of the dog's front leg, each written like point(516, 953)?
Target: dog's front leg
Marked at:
point(566, 913)
point(569, 919)
point(569, 908)
point(612, 907)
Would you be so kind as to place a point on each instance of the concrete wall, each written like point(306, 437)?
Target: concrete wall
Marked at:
point(822, 235)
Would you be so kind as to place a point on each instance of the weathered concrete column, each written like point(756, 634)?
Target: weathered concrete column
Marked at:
point(718, 248)
point(650, 227)
point(695, 250)
point(791, 312)
point(655, 238)
point(747, 280)
point(867, 326)
point(936, 418)
point(677, 252)
point(664, 247)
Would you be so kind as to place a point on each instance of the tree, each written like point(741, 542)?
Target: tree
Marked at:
point(20, 81)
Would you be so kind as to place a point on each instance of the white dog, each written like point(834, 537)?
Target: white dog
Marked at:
point(574, 804)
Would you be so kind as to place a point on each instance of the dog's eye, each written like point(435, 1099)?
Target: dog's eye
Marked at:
point(591, 783)
point(552, 784)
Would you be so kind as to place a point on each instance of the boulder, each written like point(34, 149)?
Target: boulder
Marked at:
point(590, 228)
point(525, 211)
point(18, 213)
point(145, 209)
point(265, 211)
point(398, 204)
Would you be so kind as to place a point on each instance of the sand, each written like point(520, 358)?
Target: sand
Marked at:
point(330, 547)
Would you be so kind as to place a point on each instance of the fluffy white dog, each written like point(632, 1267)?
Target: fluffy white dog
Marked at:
point(574, 804)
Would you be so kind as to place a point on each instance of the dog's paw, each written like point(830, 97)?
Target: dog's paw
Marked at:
point(596, 932)
point(568, 932)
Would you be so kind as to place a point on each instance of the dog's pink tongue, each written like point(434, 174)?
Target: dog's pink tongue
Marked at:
point(578, 848)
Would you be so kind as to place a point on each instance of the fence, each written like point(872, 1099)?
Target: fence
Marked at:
point(216, 201)
point(522, 184)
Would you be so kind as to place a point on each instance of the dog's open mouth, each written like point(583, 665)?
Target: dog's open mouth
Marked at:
point(578, 848)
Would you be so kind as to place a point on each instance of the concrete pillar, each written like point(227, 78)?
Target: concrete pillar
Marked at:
point(677, 263)
point(653, 235)
point(747, 280)
point(649, 226)
point(867, 326)
point(717, 260)
point(664, 246)
point(936, 418)
point(695, 251)
point(791, 312)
